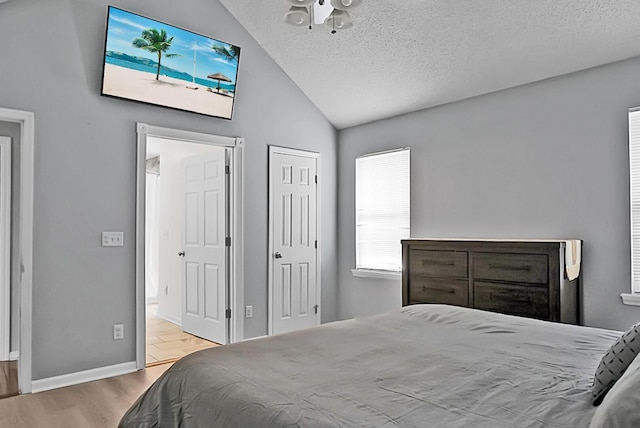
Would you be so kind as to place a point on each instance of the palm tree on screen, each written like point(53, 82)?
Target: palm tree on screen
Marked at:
point(229, 52)
point(157, 42)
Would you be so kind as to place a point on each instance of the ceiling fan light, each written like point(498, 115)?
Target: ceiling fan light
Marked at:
point(301, 2)
point(345, 4)
point(339, 20)
point(297, 16)
point(321, 12)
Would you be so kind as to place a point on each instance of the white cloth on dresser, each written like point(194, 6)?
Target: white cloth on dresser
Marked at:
point(572, 258)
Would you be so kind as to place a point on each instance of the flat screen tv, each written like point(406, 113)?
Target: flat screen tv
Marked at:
point(152, 62)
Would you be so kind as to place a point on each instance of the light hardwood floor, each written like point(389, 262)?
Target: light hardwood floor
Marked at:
point(167, 342)
point(98, 404)
point(8, 378)
point(101, 403)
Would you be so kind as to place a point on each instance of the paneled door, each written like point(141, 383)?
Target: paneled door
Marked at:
point(293, 215)
point(204, 250)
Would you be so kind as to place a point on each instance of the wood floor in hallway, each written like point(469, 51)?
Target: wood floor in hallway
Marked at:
point(167, 342)
point(8, 378)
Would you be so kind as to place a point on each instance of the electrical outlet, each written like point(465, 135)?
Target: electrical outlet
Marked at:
point(112, 239)
point(248, 311)
point(118, 331)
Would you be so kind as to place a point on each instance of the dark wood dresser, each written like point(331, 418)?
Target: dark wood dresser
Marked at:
point(525, 278)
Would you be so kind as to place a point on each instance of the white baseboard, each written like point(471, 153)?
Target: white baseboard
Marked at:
point(177, 321)
point(14, 355)
point(82, 377)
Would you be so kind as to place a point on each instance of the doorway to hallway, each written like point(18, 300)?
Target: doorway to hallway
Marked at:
point(185, 253)
point(195, 245)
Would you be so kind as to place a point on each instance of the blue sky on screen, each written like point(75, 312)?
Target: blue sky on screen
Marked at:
point(124, 27)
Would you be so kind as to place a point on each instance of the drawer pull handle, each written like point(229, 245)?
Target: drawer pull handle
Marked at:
point(509, 267)
point(512, 298)
point(437, 263)
point(438, 290)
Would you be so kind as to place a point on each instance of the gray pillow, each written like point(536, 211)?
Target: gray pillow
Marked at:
point(615, 362)
point(619, 409)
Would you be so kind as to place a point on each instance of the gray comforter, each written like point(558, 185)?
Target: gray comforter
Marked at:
point(422, 366)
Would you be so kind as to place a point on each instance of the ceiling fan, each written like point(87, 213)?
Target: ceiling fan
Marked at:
point(334, 13)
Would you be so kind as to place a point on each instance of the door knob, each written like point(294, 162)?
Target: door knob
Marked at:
point(181, 253)
point(278, 256)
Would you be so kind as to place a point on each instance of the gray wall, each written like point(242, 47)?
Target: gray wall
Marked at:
point(85, 168)
point(12, 129)
point(546, 160)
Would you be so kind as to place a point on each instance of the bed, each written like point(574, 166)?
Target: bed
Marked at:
point(419, 366)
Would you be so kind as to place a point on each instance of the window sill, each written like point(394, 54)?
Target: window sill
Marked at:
point(631, 299)
point(378, 274)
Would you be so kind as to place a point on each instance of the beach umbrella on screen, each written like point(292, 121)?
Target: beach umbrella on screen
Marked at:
point(219, 77)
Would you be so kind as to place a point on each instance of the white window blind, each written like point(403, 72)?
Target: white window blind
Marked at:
point(382, 209)
point(634, 169)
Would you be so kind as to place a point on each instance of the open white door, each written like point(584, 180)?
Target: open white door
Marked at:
point(293, 228)
point(204, 251)
point(5, 246)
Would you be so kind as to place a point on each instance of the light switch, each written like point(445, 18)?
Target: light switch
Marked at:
point(112, 239)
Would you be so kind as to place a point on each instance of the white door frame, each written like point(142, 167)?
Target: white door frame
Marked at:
point(307, 154)
point(236, 219)
point(5, 248)
point(25, 253)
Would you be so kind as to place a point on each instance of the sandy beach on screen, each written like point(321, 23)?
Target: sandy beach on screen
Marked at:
point(126, 83)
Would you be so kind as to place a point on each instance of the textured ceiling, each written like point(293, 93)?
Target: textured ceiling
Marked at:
point(403, 56)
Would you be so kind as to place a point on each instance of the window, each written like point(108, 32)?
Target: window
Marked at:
point(634, 169)
point(382, 209)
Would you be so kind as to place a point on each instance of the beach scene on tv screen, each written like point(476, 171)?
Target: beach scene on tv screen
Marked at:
point(153, 62)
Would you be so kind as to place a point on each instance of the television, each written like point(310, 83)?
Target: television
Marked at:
point(153, 62)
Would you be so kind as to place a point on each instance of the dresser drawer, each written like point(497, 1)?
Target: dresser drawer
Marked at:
point(424, 289)
point(438, 263)
point(528, 301)
point(531, 268)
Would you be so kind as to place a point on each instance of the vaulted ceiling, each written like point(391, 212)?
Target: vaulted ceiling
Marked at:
point(403, 56)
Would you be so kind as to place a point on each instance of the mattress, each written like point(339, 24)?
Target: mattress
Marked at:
point(420, 366)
